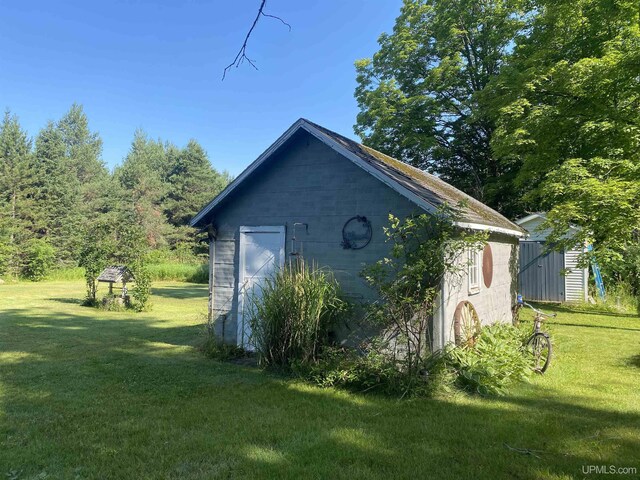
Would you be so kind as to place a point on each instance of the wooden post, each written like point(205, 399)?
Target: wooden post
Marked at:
point(110, 288)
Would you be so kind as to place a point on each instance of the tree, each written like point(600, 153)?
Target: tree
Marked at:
point(142, 177)
point(16, 190)
point(567, 115)
point(192, 183)
point(57, 193)
point(83, 150)
point(418, 95)
point(82, 146)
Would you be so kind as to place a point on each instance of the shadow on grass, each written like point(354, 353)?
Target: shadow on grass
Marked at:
point(127, 397)
point(634, 361)
point(76, 301)
point(604, 327)
point(178, 292)
point(555, 307)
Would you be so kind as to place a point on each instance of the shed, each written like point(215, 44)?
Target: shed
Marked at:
point(549, 275)
point(317, 193)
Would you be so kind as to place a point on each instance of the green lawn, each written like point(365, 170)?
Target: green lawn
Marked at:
point(92, 394)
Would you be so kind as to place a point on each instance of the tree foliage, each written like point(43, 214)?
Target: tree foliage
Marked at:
point(418, 95)
point(527, 106)
point(567, 110)
point(56, 193)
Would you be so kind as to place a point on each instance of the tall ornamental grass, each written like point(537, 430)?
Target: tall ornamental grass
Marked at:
point(292, 313)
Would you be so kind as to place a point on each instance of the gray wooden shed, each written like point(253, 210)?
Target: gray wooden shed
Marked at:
point(552, 276)
point(319, 194)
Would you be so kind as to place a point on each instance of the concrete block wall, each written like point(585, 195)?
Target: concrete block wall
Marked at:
point(307, 182)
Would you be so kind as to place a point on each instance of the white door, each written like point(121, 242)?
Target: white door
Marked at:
point(261, 253)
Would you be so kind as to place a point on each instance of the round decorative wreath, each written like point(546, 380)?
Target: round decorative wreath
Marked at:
point(356, 233)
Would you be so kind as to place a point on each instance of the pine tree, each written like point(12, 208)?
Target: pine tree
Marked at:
point(192, 183)
point(142, 179)
point(58, 193)
point(16, 191)
point(83, 150)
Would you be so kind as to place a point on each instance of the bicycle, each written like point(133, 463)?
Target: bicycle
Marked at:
point(539, 343)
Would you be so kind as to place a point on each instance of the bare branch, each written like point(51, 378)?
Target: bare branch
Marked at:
point(277, 18)
point(241, 56)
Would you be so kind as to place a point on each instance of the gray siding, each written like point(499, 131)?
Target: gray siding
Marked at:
point(540, 275)
point(309, 183)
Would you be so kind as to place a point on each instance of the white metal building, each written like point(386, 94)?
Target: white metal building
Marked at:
point(549, 276)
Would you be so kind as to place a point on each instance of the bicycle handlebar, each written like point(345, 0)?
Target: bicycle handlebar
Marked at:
point(540, 312)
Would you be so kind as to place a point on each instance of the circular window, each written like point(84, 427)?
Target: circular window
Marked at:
point(466, 324)
point(487, 265)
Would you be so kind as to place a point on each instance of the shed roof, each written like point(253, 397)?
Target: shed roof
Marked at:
point(537, 218)
point(425, 190)
point(115, 274)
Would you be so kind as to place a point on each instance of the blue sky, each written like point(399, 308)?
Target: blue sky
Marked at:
point(157, 65)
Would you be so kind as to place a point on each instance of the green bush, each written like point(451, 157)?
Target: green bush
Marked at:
point(38, 259)
point(291, 317)
point(425, 250)
point(370, 372)
point(141, 292)
point(495, 362)
point(213, 347)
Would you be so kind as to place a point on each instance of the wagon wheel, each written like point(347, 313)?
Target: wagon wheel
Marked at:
point(466, 325)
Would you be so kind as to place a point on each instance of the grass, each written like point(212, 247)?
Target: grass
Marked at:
point(90, 394)
point(160, 272)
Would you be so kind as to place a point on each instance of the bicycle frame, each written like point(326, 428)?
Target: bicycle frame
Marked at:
point(539, 318)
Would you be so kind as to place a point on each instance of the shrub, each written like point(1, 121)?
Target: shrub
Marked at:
point(496, 361)
point(141, 292)
point(489, 367)
point(292, 314)
point(97, 246)
point(39, 257)
point(362, 373)
point(214, 347)
point(425, 249)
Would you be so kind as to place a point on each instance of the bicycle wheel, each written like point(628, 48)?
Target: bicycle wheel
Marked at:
point(539, 347)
